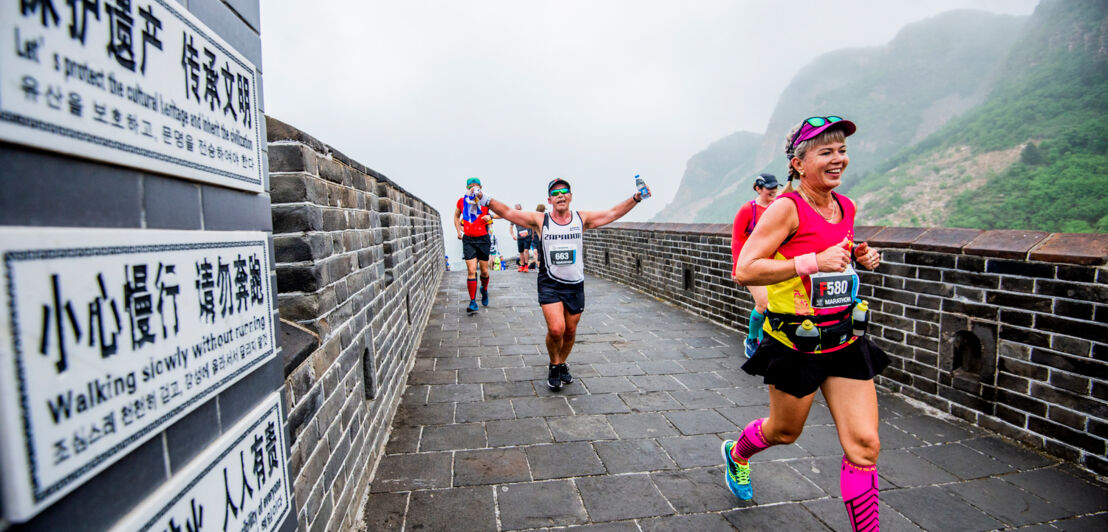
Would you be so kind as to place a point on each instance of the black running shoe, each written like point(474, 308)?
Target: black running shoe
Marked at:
point(554, 378)
point(563, 370)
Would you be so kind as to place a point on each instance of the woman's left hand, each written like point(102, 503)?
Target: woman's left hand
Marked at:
point(868, 258)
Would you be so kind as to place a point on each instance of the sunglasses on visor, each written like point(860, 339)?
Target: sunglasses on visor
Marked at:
point(810, 124)
point(558, 192)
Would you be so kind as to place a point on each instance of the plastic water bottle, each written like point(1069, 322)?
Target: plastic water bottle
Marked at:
point(860, 317)
point(641, 185)
point(807, 336)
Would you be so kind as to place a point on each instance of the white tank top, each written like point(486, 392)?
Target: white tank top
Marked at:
point(563, 249)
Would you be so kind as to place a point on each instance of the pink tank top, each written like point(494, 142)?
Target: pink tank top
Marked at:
point(813, 235)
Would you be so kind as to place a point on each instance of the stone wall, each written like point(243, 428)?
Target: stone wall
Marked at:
point(46, 189)
point(358, 262)
point(1006, 329)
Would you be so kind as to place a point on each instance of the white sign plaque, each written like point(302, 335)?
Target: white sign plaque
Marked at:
point(140, 83)
point(239, 483)
point(109, 336)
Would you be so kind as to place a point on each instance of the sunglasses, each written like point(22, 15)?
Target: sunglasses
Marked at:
point(805, 131)
point(558, 192)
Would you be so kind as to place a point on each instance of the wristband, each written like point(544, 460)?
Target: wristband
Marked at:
point(636, 197)
point(806, 264)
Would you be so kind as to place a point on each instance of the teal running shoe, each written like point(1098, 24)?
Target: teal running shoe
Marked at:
point(750, 345)
point(484, 296)
point(737, 475)
point(472, 307)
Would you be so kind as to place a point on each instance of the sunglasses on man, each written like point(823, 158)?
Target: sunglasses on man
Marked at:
point(558, 192)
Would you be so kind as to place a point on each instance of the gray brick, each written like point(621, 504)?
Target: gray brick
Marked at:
point(225, 23)
point(48, 194)
point(622, 497)
point(460, 509)
point(235, 210)
point(244, 395)
point(541, 504)
point(189, 436)
point(107, 497)
point(170, 203)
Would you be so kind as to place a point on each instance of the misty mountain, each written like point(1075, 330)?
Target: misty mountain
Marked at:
point(946, 112)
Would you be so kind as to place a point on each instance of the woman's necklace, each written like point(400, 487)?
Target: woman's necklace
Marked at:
point(817, 208)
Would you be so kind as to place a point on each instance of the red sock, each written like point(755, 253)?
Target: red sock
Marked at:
point(471, 284)
point(485, 282)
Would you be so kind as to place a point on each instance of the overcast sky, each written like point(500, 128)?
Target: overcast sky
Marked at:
point(518, 92)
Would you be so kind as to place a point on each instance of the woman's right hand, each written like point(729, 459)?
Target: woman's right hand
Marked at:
point(835, 258)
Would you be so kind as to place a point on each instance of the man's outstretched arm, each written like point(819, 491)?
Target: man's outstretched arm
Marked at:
point(521, 218)
point(594, 219)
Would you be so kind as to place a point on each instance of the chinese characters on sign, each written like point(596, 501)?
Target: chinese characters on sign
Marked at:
point(106, 338)
point(239, 483)
point(134, 82)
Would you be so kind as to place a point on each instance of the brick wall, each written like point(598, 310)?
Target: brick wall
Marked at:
point(1006, 329)
point(46, 189)
point(358, 262)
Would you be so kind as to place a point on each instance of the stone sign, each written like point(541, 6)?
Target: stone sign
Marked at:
point(239, 483)
point(139, 83)
point(108, 337)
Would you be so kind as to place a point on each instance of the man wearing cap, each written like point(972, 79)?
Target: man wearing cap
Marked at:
point(471, 221)
point(745, 220)
point(561, 279)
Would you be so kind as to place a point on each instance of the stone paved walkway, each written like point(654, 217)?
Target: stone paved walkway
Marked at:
point(479, 443)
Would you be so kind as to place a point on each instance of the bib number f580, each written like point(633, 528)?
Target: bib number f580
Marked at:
point(833, 289)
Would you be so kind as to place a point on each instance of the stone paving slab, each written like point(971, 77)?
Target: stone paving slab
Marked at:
point(633, 444)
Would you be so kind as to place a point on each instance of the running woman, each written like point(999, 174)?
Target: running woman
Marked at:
point(472, 223)
point(561, 280)
point(522, 236)
point(802, 252)
point(745, 220)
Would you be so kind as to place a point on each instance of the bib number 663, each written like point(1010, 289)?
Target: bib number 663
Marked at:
point(562, 256)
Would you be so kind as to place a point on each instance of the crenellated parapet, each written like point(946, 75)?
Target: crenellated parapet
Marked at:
point(358, 260)
point(1006, 329)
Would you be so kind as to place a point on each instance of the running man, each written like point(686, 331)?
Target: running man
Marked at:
point(472, 223)
point(745, 220)
point(522, 236)
point(561, 280)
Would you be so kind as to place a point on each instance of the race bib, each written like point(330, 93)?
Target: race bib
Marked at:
point(563, 256)
point(524, 233)
point(833, 289)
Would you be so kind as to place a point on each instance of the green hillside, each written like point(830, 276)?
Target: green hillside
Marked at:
point(967, 119)
point(1051, 105)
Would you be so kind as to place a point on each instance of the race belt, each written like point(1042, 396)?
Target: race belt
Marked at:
point(832, 330)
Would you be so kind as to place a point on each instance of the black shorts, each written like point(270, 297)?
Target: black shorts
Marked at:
point(570, 295)
point(476, 247)
point(523, 243)
point(800, 374)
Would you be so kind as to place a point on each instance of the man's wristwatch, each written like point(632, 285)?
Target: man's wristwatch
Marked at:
point(637, 197)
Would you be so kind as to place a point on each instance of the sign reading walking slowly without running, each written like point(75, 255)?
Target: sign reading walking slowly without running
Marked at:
point(108, 337)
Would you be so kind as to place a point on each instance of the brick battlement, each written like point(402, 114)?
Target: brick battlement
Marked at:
point(1006, 329)
point(358, 262)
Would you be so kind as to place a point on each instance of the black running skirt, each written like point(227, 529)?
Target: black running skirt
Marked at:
point(800, 374)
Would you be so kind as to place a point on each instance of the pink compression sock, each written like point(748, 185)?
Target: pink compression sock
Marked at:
point(750, 442)
point(859, 489)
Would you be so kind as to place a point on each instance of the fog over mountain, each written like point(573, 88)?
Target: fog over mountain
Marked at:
point(960, 117)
